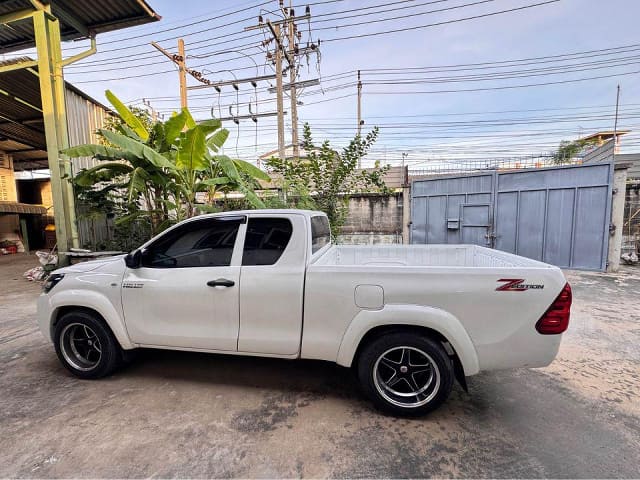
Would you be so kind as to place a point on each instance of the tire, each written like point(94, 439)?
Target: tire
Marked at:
point(86, 346)
point(405, 373)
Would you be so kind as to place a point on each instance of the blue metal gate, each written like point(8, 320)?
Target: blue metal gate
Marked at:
point(558, 215)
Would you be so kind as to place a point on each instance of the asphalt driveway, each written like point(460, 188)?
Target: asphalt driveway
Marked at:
point(172, 414)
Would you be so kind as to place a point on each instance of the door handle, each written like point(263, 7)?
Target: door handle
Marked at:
point(221, 282)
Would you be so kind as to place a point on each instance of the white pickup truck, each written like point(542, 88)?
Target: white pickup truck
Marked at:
point(408, 319)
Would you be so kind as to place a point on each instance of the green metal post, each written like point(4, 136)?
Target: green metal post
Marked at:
point(59, 92)
point(47, 34)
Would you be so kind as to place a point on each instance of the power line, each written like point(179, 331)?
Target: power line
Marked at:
point(474, 17)
point(331, 27)
point(401, 17)
point(506, 87)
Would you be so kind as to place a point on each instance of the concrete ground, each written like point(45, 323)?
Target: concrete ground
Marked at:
point(173, 414)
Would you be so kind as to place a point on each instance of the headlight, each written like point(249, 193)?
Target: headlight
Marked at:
point(51, 281)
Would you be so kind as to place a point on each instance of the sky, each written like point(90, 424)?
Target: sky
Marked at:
point(450, 86)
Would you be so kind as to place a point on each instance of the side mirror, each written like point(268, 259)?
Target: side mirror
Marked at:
point(133, 259)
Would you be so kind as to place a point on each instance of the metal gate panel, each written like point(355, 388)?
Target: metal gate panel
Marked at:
point(454, 203)
point(436, 212)
point(559, 215)
point(559, 227)
point(475, 222)
point(591, 232)
point(531, 223)
point(437, 226)
point(506, 230)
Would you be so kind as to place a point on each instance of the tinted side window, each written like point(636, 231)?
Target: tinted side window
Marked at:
point(266, 240)
point(320, 233)
point(201, 243)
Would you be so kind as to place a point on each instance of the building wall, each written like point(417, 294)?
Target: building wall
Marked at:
point(46, 195)
point(603, 153)
point(633, 160)
point(9, 223)
point(8, 191)
point(373, 219)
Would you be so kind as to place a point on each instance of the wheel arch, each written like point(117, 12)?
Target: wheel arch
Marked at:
point(433, 322)
point(94, 304)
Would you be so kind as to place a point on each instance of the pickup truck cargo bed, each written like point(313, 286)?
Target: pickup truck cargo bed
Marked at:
point(423, 256)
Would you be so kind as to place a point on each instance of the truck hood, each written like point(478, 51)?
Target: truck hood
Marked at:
point(91, 265)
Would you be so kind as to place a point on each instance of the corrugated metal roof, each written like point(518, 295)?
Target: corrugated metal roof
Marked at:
point(22, 125)
point(21, 122)
point(15, 207)
point(97, 16)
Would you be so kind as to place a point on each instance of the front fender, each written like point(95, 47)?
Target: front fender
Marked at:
point(86, 299)
point(414, 315)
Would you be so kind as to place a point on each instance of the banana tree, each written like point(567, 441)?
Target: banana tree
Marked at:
point(162, 169)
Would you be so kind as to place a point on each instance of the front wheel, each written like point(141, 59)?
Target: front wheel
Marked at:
point(405, 373)
point(85, 346)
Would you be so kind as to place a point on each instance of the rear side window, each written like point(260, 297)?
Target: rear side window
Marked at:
point(266, 240)
point(199, 243)
point(320, 233)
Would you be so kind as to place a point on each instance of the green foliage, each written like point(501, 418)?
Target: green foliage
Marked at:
point(153, 171)
point(128, 117)
point(567, 150)
point(117, 124)
point(325, 179)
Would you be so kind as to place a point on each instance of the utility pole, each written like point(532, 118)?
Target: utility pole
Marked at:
point(180, 60)
point(154, 113)
point(292, 76)
point(359, 104)
point(289, 53)
point(275, 29)
point(183, 73)
point(359, 113)
point(615, 124)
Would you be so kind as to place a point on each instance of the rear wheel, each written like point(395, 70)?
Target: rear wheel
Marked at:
point(86, 346)
point(405, 374)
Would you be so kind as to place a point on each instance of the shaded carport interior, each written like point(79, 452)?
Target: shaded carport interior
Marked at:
point(33, 121)
point(22, 132)
point(21, 118)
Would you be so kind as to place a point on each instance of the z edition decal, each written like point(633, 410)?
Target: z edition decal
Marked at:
point(517, 285)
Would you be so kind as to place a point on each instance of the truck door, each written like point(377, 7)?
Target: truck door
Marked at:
point(272, 284)
point(186, 292)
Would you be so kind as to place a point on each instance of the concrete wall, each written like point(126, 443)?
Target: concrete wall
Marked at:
point(617, 217)
point(373, 219)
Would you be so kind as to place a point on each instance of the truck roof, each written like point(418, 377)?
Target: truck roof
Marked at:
point(268, 211)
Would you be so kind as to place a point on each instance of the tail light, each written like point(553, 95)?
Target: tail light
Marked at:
point(556, 318)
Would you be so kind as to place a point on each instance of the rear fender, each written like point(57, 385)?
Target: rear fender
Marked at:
point(414, 315)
